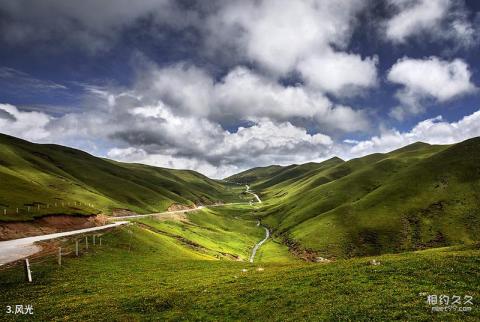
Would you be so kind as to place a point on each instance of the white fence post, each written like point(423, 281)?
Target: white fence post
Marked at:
point(60, 256)
point(76, 247)
point(28, 273)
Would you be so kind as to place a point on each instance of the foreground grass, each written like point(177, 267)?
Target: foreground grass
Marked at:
point(143, 275)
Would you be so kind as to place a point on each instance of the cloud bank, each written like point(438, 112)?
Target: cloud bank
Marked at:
point(242, 83)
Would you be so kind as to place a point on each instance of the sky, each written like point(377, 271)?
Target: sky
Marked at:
point(223, 86)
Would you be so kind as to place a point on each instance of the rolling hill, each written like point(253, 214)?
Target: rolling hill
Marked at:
point(195, 265)
point(416, 197)
point(51, 179)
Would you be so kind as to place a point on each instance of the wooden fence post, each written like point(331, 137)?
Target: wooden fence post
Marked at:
point(93, 239)
point(60, 256)
point(28, 273)
point(76, 247)
point(86, 242)
point(100, 241)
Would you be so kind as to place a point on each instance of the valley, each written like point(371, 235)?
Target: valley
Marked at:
point(369, 238)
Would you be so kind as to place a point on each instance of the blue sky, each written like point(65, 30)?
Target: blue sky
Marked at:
point(222, 86)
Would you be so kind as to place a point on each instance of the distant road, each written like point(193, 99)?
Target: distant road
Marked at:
point(159, 213)
point(15, 249)
point(257, 246)
point(267, 232)
point(254, 194)
point(177, 211)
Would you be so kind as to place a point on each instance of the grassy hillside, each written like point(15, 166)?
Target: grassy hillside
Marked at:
point(416, 197)
point(254, 174)
point(141, 275)
point(221, 232)
point(264, 177)
point(51, 179)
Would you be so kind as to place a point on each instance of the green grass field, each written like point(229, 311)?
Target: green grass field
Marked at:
point(222, 231)
point(147, 276)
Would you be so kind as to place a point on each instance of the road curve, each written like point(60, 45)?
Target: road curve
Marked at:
point(15, 249)
point(176, 211)
point(157, 214)
point(257, 246)
point(267, 232)
point(253, 194)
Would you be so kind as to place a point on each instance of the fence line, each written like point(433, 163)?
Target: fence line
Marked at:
point(59, 256)
point(37, 207)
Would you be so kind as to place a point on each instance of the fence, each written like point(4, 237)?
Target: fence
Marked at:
point(39, 208)
point(59, 252)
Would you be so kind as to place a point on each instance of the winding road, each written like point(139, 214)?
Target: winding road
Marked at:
point(15, 249)
point(161, 213)
point(267, 232)
point(175, 211)
point(257, 246)
point(253, 194)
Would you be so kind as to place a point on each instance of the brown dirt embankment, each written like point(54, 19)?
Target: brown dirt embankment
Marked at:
point(49, 225)
point(176, 207)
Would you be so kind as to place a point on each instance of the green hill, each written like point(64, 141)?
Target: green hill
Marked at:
point(254, 174)
point(194, 265)
point(51, 179)
point(416, 197)
point(264, 177)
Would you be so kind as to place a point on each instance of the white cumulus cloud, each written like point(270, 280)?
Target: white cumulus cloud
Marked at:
point(23, 124)
point(435, 19)
point(338, 72)
point(243, 94)
point(307, 36)
point(429, 78)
